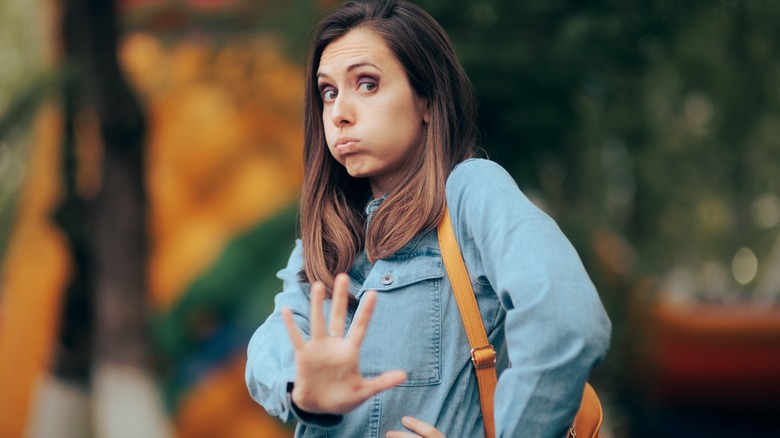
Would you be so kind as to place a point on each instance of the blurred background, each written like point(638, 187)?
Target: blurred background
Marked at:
point(150, 158)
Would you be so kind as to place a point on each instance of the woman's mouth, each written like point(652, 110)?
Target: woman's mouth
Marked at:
point(346, 145)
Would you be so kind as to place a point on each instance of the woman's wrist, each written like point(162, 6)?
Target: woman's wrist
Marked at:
point(319, 420)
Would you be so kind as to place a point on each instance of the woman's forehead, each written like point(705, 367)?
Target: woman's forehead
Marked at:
point(358, 47)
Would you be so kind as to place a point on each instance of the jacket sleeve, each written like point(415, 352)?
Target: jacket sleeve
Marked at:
point(270, 366)
point(556, 327)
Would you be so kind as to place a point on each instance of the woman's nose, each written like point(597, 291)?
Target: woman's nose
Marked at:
point(341, 112)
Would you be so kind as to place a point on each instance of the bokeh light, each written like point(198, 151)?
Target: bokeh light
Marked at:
point(744, 266)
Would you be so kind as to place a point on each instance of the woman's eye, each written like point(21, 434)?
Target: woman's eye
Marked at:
point(367, 86)
point(329, 95)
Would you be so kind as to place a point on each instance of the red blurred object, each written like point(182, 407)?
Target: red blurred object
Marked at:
point(716, 355)
point(129, 4)
point(198, 4)
point(211, 5)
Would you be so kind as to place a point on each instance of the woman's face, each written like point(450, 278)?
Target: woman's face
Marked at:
point(374, 122)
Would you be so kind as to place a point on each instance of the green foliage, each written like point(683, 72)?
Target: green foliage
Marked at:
point(657, 120)
point(20, 60)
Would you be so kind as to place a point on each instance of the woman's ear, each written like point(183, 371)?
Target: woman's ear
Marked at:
point(425, 110)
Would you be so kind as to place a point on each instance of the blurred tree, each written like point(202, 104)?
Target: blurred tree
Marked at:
point(104, 337)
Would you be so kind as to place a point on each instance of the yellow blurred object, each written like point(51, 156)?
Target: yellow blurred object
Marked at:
point(224, 153)
point(220, 406)
point(225, 139)
point(33, 278)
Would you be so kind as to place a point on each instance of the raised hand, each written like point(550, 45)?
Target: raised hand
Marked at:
point(328, 379)
point(420, 429)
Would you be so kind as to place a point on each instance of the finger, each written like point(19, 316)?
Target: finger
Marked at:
point(338, 311)
point(317, 318)
point(292, 329)
point(382, 382)
point(358, 330)
point(421, 428)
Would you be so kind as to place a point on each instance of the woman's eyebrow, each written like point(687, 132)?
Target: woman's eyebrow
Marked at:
point(362, 64)
point(350, 68)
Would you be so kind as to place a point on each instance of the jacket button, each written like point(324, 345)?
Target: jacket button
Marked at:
point(387, 279)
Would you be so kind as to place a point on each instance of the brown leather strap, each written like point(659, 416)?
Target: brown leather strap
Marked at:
point(483, 355)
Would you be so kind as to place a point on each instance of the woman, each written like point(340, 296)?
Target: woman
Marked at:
point(366, 338)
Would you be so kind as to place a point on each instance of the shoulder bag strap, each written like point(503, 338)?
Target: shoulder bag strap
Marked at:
point(483, 355)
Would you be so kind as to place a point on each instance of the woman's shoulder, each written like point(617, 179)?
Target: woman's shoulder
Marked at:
point(479, 183)
point(477, 168)
point(478, 175)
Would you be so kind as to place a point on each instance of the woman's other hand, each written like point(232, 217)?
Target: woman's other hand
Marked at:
point(328, 379)
point(420, 429)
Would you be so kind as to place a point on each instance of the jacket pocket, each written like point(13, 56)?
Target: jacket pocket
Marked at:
point(405, 329)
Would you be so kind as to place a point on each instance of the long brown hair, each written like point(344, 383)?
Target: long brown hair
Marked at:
point(332, 202)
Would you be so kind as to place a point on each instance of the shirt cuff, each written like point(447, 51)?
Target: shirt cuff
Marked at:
point(320, 421)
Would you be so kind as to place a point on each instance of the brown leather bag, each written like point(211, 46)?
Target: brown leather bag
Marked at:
point(589, 417)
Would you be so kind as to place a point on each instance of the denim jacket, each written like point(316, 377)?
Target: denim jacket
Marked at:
point(540, 310)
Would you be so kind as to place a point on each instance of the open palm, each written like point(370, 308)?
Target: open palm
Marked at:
point(328, 378)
